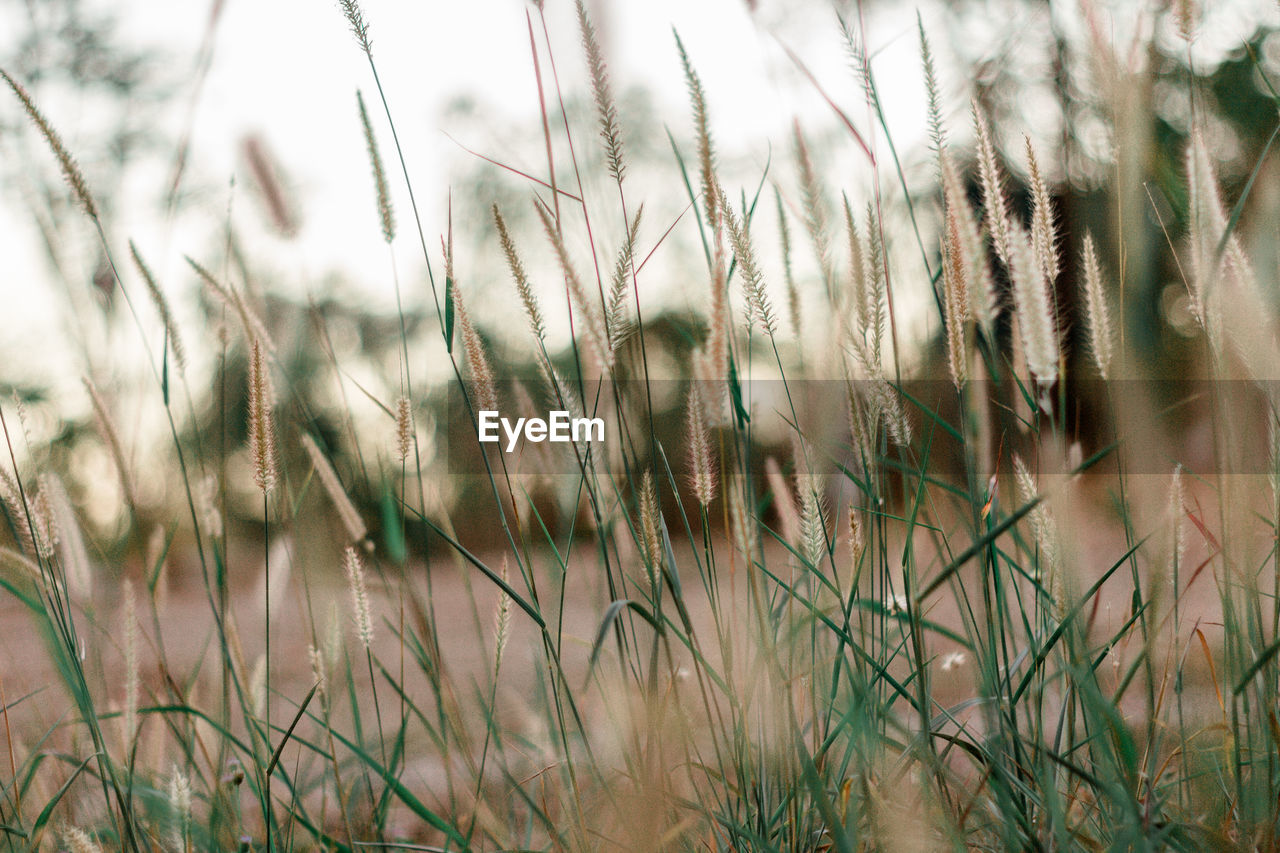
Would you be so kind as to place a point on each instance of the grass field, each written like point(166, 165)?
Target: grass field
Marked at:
point(820, 586)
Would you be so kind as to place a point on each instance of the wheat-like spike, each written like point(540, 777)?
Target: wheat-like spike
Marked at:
point(486, 392)
point(861, 272)
point(319, 672)
point(351, 520)
point(162, 308)
point(984, 297)
point(995, 202)
point(1034, 307)
point(650, 526)
point(606, 109)
point(262, 431)
point(874, 285)
point(711, 199)
point(79, 841)
point(956, 303)
point(404, 427)
point(815, 217)
point(386, 215)
point(231, 298)
point(793, 292)
point(22, 519)
point(132, 681)
point(70, 169)
point(597, 339)
point(937, 137)
point(180, 806)
point(813, 525)
point(1044, 228)
point(1096, 311)
point(359, 597)
point(501, 622)
point(1043, 527)
point(1186, 12)
point(758, 305)
point(700, 464)
point(523, 287)
point(1177, 514)
point(616, 318)
point(359, 29)
point(741, 519)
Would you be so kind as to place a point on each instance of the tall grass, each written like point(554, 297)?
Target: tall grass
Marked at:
point(968, 600)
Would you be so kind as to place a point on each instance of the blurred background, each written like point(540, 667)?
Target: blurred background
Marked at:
point(228, 132)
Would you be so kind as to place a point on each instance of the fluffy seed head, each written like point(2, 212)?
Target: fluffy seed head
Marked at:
point(650, 521)
point(262, 432)
point(1096, 310)
point(386, 215)
point(606, 109)
point(984, 298)
point(162, 308)
point(1035, 309)
point(995, 203)
point(70, 170)
point(1044, 230)
point(518, 273)
point(404, 427)
point(79, 841)
point(700, 464)
point(359, 597)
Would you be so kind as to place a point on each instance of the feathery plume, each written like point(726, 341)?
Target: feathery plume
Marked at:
point(1177, 514)
point(815, 217)
point(231, 298)
point(404, 427)
point(606, 109)
point(597, 339)
point(984, 298)
point(162, 308)
point(813, 527)
point(79, 841)
point(956, 304)
point(319, 672)
point(386, 215)
point(711, 198)
point(741, 520)
point(784, 236)
point(1043, 527)
point(70, 169)
point(703, 472)
point(995, 203)
point(262, 429)
point(650, 530)
point(20, 514)
point(857, 536)
point(501, 623)
point(359, 597)
point(63, 532)
point(180, 806)
point(265, 169)
point(523, 287)
point(347, 512)
point(1044, 230)
point(615, 317)
point(359, 29)
point(1096, 310)
point(1185, 12)
point(758, 307)
point(481, 373)
point(1034, 308)
point(937, 137)
point(132, 682)
point(873, 286)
